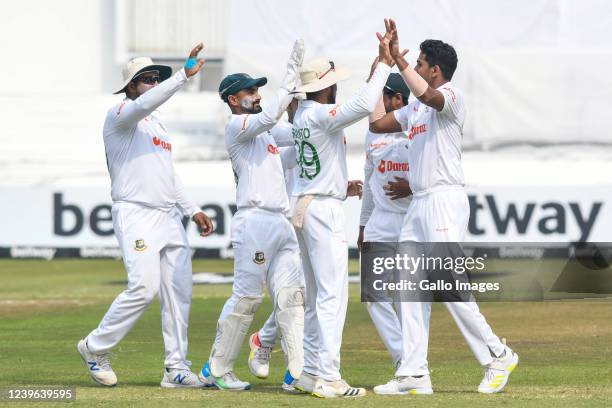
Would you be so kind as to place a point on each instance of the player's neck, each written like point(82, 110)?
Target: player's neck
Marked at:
point(438, 82)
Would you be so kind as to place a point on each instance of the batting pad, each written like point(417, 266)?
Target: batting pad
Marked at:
point(232, 332)
point(290, 320)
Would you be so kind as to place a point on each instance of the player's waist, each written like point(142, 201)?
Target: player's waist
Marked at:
point(437, 189)
point(274, 211)
point(165, 207)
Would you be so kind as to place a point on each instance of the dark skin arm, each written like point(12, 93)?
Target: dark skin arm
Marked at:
point(360, 237)
point(397, 189)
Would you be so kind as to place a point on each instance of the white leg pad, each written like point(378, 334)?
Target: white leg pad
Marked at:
point(290, 319)
point(232, 331)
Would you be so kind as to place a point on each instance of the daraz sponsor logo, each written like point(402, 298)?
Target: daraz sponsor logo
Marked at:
point(389, 165)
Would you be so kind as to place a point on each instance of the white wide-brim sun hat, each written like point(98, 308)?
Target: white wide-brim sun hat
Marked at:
point(320, 74)
point(140, 65)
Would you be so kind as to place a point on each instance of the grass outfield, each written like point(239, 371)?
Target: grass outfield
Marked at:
point(46, 307)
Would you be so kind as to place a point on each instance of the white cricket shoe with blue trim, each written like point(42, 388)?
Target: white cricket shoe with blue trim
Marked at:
point(180, 378)
point(98, 365)
point(228, 382)
point(289, 383)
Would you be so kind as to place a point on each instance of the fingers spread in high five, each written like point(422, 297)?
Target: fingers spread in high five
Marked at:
point(193, 64)
point(384, 55)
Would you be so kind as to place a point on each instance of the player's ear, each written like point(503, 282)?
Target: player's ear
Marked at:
point(232, 100)
point(436, 71)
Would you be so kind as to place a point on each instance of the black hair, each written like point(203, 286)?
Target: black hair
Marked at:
point(441, 54)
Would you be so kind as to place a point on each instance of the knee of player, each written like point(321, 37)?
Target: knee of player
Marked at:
point(144, 292)
point(290, 296)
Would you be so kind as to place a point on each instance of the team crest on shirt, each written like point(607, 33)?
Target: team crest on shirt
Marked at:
point(259, 257)
point(139, 245)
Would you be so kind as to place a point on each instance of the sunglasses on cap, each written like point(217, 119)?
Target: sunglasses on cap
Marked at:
point(332, 68)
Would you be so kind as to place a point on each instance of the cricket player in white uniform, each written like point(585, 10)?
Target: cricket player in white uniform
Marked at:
point(262, 341)
point(385, 201)
point(146, 193)
point(439, 212)
point(266, 251)
point(319, 217)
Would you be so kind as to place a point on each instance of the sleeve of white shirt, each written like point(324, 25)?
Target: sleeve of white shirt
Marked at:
point(187, 206)
point(367, 200)
point(130, 112)
point(288, 157)
point(282, 134)
point(359, 106)
point(453, 102)
point(403, 116)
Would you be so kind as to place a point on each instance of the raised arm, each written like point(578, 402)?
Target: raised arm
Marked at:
point(418, 86)
point(364, 101)
point(254, 124)
point(133, 111)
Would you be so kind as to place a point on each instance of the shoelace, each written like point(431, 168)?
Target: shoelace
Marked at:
point(104, 361)
point(262, 354)
point(231, 376)
point(492, 371)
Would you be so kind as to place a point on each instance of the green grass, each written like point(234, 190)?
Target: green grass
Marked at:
point(46, 307)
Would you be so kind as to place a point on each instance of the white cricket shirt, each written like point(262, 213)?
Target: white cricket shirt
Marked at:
point(256, 161)
point(320, 141)
point(139, 151)
point(434, 140)
point(386, 158)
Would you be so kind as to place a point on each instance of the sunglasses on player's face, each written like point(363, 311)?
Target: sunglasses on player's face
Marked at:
point(149, 80)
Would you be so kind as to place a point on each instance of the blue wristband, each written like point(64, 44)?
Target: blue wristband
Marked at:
point(191, 63)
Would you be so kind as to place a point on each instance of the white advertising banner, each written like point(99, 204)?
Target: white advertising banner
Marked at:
point(75, 217)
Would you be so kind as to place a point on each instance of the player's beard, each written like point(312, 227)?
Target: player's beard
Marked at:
point(250, 104)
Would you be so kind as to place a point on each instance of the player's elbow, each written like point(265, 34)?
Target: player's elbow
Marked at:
point(375, 127)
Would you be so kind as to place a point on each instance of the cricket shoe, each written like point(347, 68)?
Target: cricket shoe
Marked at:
point(336, 389)
point(306, 382)
point(406, 385)
point(98, 365)
point(289, 383)
point(180, 378)
point(259, 357)
point(227, 382)
point(498, 372)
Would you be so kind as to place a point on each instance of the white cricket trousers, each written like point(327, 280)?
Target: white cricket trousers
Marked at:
point(157, 259)
point(324, 252)
point(384, 226)
point(441, 215)
point(266, 253)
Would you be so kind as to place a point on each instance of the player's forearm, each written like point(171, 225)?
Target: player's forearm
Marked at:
point(187, 206)
point(364, 101)
point(419, 87)
point(133, 112)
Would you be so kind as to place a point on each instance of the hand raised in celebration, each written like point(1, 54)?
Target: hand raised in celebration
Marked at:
point(193, 64)
point(384, 54)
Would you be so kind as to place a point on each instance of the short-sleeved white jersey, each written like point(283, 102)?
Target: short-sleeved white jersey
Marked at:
point(434, 140)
